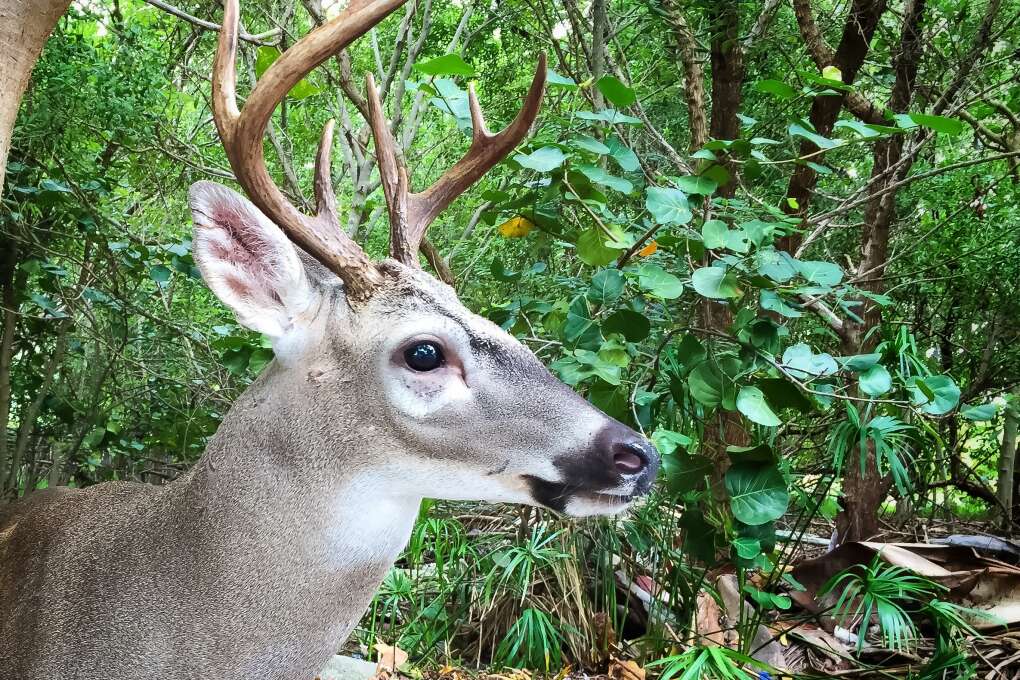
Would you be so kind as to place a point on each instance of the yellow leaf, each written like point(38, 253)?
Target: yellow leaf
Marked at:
point(516, 227)
point(832, 73)
point(648, 250)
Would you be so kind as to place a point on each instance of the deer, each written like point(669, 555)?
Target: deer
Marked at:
point(260, 559)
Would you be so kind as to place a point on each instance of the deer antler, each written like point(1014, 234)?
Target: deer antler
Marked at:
point(321, 235)
point(242, 131)
point(412, 213)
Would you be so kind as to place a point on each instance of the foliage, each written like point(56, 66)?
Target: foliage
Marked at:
point(784, 350)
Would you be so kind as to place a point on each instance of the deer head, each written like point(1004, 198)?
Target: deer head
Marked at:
point(400, 379)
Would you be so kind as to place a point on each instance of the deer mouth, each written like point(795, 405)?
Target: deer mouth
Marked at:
point(569, 498)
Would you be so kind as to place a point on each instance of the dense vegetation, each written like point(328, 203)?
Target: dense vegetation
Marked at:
point(781, 238)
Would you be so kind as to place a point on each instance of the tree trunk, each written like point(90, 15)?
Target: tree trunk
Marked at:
point(727, 63)
point(864, 491)
point(1007, 459)
point(24, 27)
point(861, 22)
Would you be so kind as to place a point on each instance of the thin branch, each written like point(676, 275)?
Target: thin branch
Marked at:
point(267, 38)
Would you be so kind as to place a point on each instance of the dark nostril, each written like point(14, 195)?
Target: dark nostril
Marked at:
point(629, 458)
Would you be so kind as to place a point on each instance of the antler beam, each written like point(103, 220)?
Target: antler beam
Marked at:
point(321, 235)
point(242, 131)
point(411, 213)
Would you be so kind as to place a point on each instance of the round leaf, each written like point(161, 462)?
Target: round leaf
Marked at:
point(716, 283)
point(633, 326)
point(606, 286)
point(875, 381)
point(751, 402)
point(658, 282)
point(668, 205)
point(613, 89)
point(546, 159)
point(446, 65)
point(758, 493)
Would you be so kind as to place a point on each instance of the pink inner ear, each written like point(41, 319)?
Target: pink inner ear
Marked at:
point(248, 247)
point(237, 286)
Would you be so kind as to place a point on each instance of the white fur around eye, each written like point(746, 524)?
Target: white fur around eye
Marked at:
point(419, 395)
point(248, 262)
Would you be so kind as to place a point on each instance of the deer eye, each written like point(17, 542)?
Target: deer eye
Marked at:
point(424, 356)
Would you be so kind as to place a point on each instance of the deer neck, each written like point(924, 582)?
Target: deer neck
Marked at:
point(300, 525)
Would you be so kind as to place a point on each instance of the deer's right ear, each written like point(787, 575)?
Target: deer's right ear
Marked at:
point(248, 261)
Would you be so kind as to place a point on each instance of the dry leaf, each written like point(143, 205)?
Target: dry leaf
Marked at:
point(390, 658)
point(625, 669)
point(709, 621)
point(648, 250)
point(516, 227)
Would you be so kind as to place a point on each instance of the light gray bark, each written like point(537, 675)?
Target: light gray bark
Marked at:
point(24, 27)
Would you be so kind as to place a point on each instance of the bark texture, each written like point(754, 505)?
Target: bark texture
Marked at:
point(863, 493)
point(848, 57)
point(24, 27)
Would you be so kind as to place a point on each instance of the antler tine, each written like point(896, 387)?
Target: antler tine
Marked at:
point(242, 132)
point(412, 213)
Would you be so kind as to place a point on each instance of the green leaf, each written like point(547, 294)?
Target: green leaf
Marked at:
point(804, 364)
point(706, 383)
point(780, 393)
point(747, 548)
point(611, 116)
point(599, 176)
point(668, 205)
point(554, 79)
point(658, 282)
point(159, 274)
point(546, 159)
point(751, 402)
point(820, 272)
point(832, 73)
point(776, 87)
point(713, 233)
point(715, 282)
point(446, 65)
point(632, 325)
point(55, 186)
point(943, 394)
point(236, 360)
point(591, 144)
point(798, 130)
point(758, 493)
point(501, 273)
point(948, 126)
point(623, 155)
point(860, 362)
point(875, 381)
point(861, 129)
point(606, 286)
point(614, 89)
point(94, 438)
point(579, 328)
point(592, 248)
point(667, 441)
point(980, 412)
point(259, 359)
point(771, 301)
point(702, 186)
point(777, 265)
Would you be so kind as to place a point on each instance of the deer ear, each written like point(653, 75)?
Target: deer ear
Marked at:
point(247, 261)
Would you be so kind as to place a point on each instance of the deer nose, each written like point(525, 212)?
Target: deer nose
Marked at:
point(627, 453)
point(629, 458)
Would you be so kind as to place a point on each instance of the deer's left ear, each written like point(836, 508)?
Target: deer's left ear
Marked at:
point(248, 261)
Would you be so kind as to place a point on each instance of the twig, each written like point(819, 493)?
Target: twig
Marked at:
point(259, 39)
